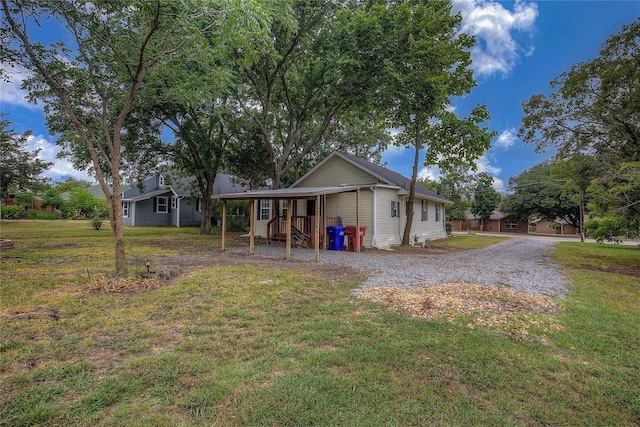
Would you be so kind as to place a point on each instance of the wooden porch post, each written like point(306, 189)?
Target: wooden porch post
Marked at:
point(252, 226)
point(357, 242)
point(288, 240)
point(224, 223)
point(316, 231)
point(324, 222)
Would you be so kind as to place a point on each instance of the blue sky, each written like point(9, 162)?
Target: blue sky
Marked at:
point(520, 47)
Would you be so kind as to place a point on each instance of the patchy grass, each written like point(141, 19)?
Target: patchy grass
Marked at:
point(248, 343)
point(454, 243)
point(469, 241)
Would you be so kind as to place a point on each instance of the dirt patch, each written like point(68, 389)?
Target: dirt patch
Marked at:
point(513, 313)
point(614, 269)
point(166, 270)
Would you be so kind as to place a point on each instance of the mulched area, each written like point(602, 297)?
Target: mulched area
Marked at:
point(513, 313)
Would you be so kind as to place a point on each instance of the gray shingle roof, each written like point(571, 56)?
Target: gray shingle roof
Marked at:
point(223, 184)
point(388, 176)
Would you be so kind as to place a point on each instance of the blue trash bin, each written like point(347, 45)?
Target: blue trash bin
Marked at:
point(335, 234)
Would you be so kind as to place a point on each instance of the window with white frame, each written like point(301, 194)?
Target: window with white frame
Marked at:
point(437, 212)
point(510, 224)
point(160, 181)
point(162, 204)
point(394, 209)
point(125, 209)
point(424, 211)
point(264, 211)
point(199, 205)
point(283, 207)
point(174, 202)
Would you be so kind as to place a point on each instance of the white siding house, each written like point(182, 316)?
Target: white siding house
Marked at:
point(383, 197)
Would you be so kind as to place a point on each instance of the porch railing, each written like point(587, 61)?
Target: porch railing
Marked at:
point(277, 227)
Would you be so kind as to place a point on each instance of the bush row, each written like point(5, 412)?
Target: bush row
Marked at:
point(19, 212)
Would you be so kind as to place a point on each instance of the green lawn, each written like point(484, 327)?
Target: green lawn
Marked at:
point(253, 344)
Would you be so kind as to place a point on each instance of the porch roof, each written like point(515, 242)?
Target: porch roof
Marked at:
point(287, 193)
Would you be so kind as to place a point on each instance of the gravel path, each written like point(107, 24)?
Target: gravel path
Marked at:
point(521, 265)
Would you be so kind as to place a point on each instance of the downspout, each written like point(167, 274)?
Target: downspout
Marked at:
point(374, 237)
point(178, 200)
point(133, 214)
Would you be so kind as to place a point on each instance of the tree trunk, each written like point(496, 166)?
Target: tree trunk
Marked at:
point(115, 218)
point(581, 220)
point(406, 236)
point(206, 205)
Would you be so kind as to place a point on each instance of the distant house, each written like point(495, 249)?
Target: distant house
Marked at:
point(158, 202)
point(557, 226)
point(499, 222)
point(95, 190)
point(383, 203)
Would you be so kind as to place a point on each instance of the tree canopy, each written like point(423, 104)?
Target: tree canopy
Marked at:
point(20, 169)
point(485, 198)
point(535, 192)
point(595, 111)
point(89, 77)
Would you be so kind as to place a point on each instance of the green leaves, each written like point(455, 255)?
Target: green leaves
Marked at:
point(595, 112)
point(19, 169)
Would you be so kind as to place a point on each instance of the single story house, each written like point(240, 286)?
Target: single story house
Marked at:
point(374, 197)
point(499, 222)
point(158, 202)
point(557, 226)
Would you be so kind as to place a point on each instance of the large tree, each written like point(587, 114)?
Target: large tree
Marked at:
point(595, 111)
point(456, 184)
point(90, 77)
point(429, 63)
point(20, 169)
point(190, 97)
point(485, 198)
point(535, 192)
point(323, 65)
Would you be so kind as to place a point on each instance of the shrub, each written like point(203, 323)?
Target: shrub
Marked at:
point(96, 223)
point(449, 228)
point(11, 212)
point(237, 223)
point(608, 228)
point(31, 214)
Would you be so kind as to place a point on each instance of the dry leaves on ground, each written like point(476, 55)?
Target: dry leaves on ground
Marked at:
point(479, 306)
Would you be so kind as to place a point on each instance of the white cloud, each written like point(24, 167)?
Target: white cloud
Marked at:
point(61, 168)
point(495, 50)
point(431, 173)
point(506, 139)
point(11, 92)
point(484, 165)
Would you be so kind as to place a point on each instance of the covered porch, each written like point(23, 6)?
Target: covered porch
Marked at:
point(306, 231)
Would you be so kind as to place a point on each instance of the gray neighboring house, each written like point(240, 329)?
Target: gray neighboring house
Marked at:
point(95, 190)
point(159, 202)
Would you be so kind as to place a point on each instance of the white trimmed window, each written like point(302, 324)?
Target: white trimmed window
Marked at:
point(511, 224)
point(162, 204)
point(283, 207)
point(161, 181)
point(424, 211)
point(174, 202)
point(199, 205)
point(437, 212)
point(264, 212)
point(394, 209)
point(125, 209)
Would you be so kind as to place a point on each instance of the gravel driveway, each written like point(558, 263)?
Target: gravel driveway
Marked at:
point(519, 264)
